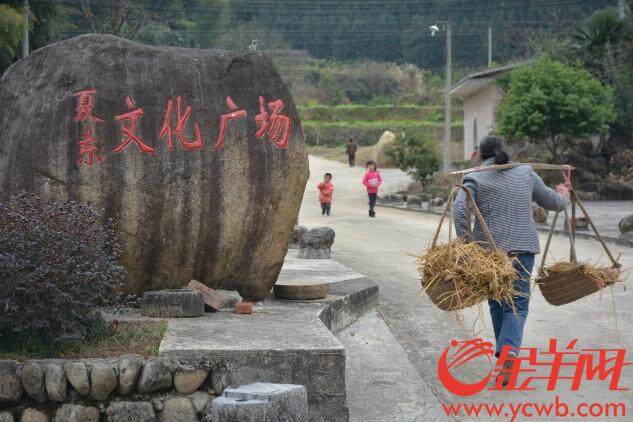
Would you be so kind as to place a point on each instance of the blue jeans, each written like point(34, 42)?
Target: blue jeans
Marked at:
point(372, 200)
point(508, 323)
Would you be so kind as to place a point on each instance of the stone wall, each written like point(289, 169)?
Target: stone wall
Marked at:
point(130, 388)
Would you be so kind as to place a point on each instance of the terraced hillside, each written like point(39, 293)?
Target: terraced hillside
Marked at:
point(333, 125)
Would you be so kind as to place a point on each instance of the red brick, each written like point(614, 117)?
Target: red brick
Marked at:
point(212, 299)
point(243, 307)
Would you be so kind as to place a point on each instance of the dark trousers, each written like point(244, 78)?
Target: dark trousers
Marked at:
point(325, 208)
point(350, 159)
point(372, 201)
point(506, 323)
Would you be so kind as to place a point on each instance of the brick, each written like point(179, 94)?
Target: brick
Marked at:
point(212, 299)
point(243, 307)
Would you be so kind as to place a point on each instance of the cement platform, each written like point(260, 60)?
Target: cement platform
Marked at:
point(282, 341)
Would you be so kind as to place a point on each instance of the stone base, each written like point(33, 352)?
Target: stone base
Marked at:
point(262, 402)
point(174, 303)
point(281, 342)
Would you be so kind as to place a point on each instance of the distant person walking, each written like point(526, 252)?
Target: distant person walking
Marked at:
point(351, 152)
point(326, 188)
point(372, 180)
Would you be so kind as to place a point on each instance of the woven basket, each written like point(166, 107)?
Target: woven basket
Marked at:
point(562, 288)
point(441, 296)
point(566, 287)
point(442, 292)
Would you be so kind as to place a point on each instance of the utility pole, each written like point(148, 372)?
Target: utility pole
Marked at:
point(447, 100)
point(25, 38)
point(621, 9)
point(489, 46)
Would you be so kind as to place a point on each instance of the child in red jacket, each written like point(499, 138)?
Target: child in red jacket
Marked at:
point(372, 181)
point(326, 188)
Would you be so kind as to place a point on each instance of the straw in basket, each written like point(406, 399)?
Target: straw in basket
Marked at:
point(447, 292)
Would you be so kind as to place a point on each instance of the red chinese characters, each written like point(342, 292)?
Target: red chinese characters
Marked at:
point(179, 130)
point(177, 122)
point(88, 150)
point(129, 122)
point(85, 106)
point(234, 114)
point(275, 124)
point(84, 113)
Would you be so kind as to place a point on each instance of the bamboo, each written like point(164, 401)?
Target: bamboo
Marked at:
point(549, 240)
point(573, 219)
point(535, 166)
point(615, 263)
point(446, 208)
point(572, 243)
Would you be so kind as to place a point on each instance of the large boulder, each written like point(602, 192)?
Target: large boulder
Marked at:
point(137, 131)
point(378, 151)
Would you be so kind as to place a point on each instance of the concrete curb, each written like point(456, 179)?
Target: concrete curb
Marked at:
point(540, 227)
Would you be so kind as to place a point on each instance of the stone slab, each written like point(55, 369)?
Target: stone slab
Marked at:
point(308, 271)
point(301, 291)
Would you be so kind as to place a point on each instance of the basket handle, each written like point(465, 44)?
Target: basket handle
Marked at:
point(472, 205)
point(571, 229)
point(614, 261)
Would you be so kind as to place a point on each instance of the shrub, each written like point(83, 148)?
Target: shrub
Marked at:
point(417, 156)
point(58, 262)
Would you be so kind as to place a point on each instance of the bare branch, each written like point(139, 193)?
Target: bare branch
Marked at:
point(138, 25)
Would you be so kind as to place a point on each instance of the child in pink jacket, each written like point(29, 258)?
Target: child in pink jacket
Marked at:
point(372, 181)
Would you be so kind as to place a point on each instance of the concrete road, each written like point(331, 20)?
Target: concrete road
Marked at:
point(378, 247)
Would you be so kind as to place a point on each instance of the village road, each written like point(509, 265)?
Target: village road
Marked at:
point(380, 247)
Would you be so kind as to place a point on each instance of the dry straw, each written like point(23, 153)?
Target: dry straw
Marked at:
point(601, 276)
point(464, 274)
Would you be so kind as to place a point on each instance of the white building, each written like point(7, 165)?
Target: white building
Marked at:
point(480, 95)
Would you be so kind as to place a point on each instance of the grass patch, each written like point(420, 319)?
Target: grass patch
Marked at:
point(112, 339)
point(361, 112)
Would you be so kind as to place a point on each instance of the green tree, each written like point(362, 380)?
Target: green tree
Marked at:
point(550, 103)
point(11, 27)
point(417, 155)
point(44, 26)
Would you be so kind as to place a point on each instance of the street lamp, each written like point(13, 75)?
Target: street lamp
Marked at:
point(25, 37)
point(447, 94)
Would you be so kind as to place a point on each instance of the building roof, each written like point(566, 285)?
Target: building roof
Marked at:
point(476, 81)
